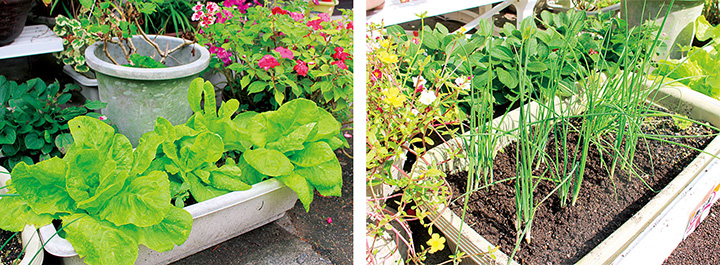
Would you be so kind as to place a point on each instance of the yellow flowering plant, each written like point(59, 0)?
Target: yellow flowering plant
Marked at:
point(405, 112)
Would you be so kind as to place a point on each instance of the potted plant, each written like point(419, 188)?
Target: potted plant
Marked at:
point(76, 39)
point(31, 247)
point(158, 71)
point(14, 14)
point(207, 158)
point(271, 54)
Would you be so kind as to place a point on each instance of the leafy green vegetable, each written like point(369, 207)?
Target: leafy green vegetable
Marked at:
point(107, 199)
point(294, 144)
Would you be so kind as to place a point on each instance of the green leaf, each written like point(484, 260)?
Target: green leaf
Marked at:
point(227, 177)
point(91, 133)
point(143, 202)
point(300, 186)
point(294, 114)
point(268, 162)
point(8, 135)
point(99, 242)
point(506, 78)
point(326, 177)
point(257, 86)
point(314, 154)
point(34, 141)
point(202, 192)
point(143, 61)
point(43, 186)
point(294, 140)
point(21, 213)
point(502, 53)
point(63, 142)
point(536, 67)
point(95, 104)
point(164, 236)
point(327, 126)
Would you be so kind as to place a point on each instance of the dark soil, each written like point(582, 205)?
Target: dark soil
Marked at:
point(702, 246)
point(11, 251)
point(563, 235)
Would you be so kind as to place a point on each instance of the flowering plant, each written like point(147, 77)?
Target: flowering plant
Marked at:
point(270, 55)
point(409, 101)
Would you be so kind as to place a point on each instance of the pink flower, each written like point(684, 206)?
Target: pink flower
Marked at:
point(212, 8)
point(329, 220)
point(340, 64)
point(277, 10)
point(296, 16)
point(592, 52)
point(416, 41)
point(340, 54)
point(316, 2)
point(102, 118)
point(223, 15)
point(207, 21)
point(197, 7)
point(315, 24)
point(231, 3)
point(267, 62)
point(301, 68)
point(325, 17)
point(375, 75)
point(284, 52)
point(221, 54)
point(197, 15)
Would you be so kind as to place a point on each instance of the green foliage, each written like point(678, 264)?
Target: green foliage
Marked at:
point(214, 153)
point(320, 68)
point(33, 122)
point(142, 61)
point(102, 190)
point(169, 16)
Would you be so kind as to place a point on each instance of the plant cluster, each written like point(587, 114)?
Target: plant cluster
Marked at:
point(404, 111)
point(215, 153)
point(270, 55)
point(105, 194)
point(76, 39)
point(33, 120)
point(699, 70)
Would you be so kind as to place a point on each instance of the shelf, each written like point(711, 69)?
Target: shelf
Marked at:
point(36, 39)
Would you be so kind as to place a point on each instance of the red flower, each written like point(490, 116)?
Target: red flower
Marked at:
point(301, 68)
point(277, 10)
point(284, 52)
point(416, 33)
point(340, 64)
point(315, 24)
point(267, 62)
point(554, 50)
point(350, 25)
point(593, 52)
point(340, 54)
point(376, 75)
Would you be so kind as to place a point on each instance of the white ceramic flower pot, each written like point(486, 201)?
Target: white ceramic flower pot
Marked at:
point(34, 254)
point(653, 232)
point(214, 221)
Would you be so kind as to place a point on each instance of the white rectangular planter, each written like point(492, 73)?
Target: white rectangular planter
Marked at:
point(214, 221)
point(89, 87)
point(650, 235)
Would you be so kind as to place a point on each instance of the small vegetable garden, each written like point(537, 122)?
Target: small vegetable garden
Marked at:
point(567, 138)
point(155, 162)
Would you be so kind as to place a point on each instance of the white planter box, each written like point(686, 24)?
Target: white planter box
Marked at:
point(89, 86)
point(652, 233)
point(214, 221)
point(34, 254)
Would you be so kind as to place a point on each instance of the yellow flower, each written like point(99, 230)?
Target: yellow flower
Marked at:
point(436, 243)
point(393, 97)
point(387, 57)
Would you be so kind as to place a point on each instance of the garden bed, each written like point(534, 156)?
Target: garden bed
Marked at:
point(603, 206)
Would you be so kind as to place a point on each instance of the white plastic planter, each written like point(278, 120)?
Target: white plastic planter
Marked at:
point(214, 221)
point(34, 254)
point(89, 86)
point(653, 232)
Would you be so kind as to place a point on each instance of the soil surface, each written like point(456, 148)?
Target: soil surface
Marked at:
point(11, 251)
point(702, 246)
point(563, 235)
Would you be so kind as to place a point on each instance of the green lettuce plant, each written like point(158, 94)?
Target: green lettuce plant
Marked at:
point(104, 195)
point(215, 153)
point(33, 120)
